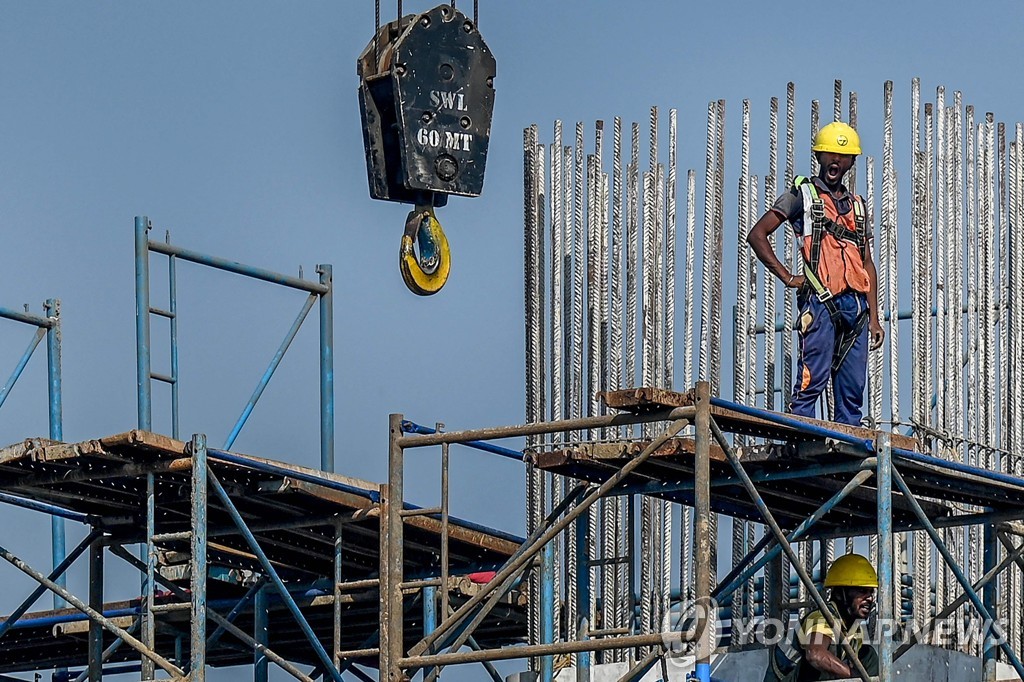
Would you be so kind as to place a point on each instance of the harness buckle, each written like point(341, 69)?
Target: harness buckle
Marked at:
point(825, 295)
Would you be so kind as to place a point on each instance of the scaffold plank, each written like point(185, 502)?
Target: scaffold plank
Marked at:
point(648, 399)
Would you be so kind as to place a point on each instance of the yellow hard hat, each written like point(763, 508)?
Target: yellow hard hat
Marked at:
point(838, 138)
point(851, 570)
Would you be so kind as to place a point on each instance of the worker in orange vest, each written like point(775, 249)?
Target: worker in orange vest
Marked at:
point(837, 287)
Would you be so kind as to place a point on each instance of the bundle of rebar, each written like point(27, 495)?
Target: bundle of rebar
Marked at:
point(610, 239)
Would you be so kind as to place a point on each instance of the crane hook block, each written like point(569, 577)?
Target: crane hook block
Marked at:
point(424, 274)
point(426, 93)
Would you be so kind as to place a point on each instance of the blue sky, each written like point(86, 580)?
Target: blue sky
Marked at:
point(236, 126)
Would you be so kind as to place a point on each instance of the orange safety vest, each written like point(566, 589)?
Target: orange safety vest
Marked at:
point(842, 240)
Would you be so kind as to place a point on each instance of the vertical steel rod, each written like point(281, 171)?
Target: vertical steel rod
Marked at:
point(395, 532)
point(96, 602)
point(885, 558)
point(326, 273)
point(172, 287)
point(339, 576)
point(198, 550)
point(261, 633)
point(56, 424)
point(142, 345)
point(149, 584)
point(702, 517)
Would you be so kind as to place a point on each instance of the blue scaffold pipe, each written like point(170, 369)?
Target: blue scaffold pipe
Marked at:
point(142, 331)
point(58, 571)
point(242, 603)
point(172, 287)
point(238, 268)
point(58, 534)
point(867, 445)
point(27, 318)
point(911, 456)
point(799, 425)
point(412, 427)
point(267, 467)
point(958, 573)
point(46, 508)
point(326, 368)
point(282, 589)
point(66, 675)
point(25, 357)
point(269, 373)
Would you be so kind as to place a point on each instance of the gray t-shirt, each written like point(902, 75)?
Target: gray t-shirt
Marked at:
point(791, 205)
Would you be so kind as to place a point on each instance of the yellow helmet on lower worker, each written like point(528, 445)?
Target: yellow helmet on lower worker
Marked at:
point(838, 138)
point(851, 570)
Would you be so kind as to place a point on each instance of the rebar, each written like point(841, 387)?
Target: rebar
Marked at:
point(739, 338)
point(706, 336)
point(716, 298)
point(971, 427)
point(851, 177)
point(875, 357)
point(534, 174)
point(770, 187)
point(837, 100)
point(614, 247)
point(788, 294)
point(889, 228)
point(686, 513)
point(614, 584)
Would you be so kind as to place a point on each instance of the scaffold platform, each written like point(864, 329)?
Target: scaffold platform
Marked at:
point(803, 479)
point(798, 471)
point(320, 531)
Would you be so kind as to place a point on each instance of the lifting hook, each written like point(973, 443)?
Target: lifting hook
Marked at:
point(425, 273)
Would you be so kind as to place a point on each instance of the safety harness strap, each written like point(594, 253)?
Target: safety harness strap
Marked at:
point(814, 207)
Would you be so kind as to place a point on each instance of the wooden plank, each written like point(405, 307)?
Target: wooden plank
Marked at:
point(645, 399)
point(648, 399)
point(624, 450)
point(23, 450)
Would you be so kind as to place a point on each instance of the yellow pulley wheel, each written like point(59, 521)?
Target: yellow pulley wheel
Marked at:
point(424, 273)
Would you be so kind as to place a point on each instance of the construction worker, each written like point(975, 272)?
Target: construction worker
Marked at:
point(812, 652)
point(837, 287)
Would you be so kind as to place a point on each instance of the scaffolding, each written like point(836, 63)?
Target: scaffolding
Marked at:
point(246, 561)
point(816, 482)
point(622, 252)
point(47, 326)
point(243, 560)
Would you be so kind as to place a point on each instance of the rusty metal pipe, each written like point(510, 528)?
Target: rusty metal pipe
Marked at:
point(419, 441)
point(528, 553)
point(507, 653)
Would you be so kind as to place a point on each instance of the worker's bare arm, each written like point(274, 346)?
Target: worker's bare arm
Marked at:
point(875, 332)
point(758, 240)
point(820, 658)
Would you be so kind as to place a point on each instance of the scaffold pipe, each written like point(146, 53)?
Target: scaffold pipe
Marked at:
point(413, 427)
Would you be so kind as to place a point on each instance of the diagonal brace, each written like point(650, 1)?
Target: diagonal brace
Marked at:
point(94, 615)
point(732, 582)
point(780, 537)
point(56, 573)
point(318, 648)
point(230, 627)
point(529, 552)
point(1013, 556)
point(955, 567)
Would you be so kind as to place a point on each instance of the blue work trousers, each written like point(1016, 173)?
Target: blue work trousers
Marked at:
point(819, 342)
